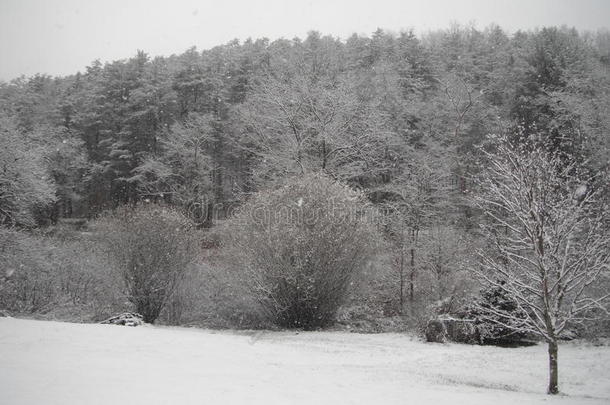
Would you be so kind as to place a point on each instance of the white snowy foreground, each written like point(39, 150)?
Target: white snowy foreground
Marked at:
point(63, 363)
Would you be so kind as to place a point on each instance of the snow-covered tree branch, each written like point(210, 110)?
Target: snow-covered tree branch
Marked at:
point(549, 239)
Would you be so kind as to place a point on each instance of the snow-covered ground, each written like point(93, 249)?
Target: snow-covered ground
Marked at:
point(63, 363)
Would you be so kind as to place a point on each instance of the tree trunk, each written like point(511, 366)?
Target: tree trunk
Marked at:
point(412, 278)
point(402, 279)
point(553, 370)
point(324, 154)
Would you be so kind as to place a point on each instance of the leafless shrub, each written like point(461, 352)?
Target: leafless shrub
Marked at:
point(56, 274)
point(152, 246)
point(299, 248)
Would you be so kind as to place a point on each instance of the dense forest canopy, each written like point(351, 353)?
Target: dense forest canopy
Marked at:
point(386, 113)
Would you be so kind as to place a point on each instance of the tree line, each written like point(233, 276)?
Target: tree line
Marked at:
point(384, 113)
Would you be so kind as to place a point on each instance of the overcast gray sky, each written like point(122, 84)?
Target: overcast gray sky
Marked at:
point(60, 37)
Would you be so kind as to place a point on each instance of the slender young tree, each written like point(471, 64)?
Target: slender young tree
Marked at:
point(549, 241)
point(416, 202)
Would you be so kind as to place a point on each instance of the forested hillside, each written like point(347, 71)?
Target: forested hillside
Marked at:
point(400, 117)
point(385, 113)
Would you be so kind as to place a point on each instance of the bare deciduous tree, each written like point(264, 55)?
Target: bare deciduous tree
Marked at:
point(445, 252)
point(298, 125)
point(25, 182)
point(417, 197)
point(183, 173)
point(550, 241)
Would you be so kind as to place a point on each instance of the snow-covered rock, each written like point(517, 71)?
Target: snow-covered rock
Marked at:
point(443, 329)
point(125, 319)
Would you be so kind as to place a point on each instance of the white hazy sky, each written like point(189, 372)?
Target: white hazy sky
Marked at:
point(60, 37)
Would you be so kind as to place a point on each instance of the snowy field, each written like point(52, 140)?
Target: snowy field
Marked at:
point(63, 363)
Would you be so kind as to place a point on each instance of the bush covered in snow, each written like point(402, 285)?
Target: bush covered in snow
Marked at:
point(151, 247)
point(60, 275)
point(478, 322)
point(300, 247)
point(495, 328)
